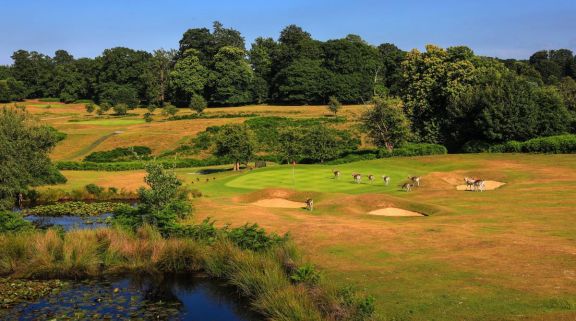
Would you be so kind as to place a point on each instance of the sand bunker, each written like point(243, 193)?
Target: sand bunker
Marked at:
point(392, 211)
point(279, 203)
point(488, 186)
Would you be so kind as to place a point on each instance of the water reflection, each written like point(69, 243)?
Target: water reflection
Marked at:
point(170, 297)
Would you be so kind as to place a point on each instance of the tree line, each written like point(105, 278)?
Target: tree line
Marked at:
point(449, 96)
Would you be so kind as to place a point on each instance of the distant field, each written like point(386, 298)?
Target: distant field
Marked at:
point(85, 129)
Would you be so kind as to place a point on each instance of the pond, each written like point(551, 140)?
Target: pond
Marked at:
point(69, 222)
point(167, 297)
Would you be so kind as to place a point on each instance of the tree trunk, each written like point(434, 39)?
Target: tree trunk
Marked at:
point(236, 166)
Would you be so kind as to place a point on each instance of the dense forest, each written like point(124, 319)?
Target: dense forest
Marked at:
point(450, 96)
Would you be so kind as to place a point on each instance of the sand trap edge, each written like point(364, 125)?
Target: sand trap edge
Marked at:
point(395, 212)
point(278, 203)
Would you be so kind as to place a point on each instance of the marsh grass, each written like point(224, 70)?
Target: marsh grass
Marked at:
point(261, 276)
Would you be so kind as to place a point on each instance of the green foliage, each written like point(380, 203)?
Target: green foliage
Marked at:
point(12, 90)
point(170, 110)
point(334, 105)
point(562, 144)
point(189, 76)
point(408, 150)
point(120, 109)
point(119, 154)
point(307, 274)
point(134, 165)
point(386, 124)
point(11, 222)
point(231, 78)
point(90, 108)
point(161, 205)
point(24, 148)
point(252, 237)
point(94, 189)
point(475, 146)
point(198, 104)
point(115, 95)
point(148, 117)
point(235, 143)
point(75, 209)
point(104, 107)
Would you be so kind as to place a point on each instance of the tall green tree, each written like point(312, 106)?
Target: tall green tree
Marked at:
point(231, 79)
point(235, 143)
point(386, 124)
point(11, 90)
point(24, 161)
point(189, 76)
point(161, 63)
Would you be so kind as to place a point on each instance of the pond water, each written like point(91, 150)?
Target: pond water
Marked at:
point(69, 222)
point(168, 297)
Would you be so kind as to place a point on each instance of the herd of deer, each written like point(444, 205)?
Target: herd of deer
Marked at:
point(476, 185)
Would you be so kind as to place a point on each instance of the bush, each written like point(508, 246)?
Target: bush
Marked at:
point(13, 222)
point(120, 109)
point(407, 150)
point(134, 165)
point(94, 189)
point(84, 101)
point(508, 147)
point(562, 144)
point(254, 238)
point(307, 274)
point(475, 146)
point(119, 154)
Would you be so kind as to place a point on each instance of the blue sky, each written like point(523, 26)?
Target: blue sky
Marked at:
point(503, 28)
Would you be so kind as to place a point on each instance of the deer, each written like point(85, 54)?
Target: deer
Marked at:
point(310, 204)
point(336, 173)
point(357, 178)
point(386, 179)
point(371, 178)
point(415, 180)
point(407, 187)
point(479, 185)
point(469, 183)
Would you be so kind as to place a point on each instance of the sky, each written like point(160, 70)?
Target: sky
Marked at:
point(499, 28)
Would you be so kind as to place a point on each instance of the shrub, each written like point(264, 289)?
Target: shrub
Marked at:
point(148, 117)
point(475, 146)
point(508, 147)
point(254, 238)
point(94, 189)
point(407, 150)
point(90, 108)
point(169, 110)
point(84, 101)
point(562, 144)
point(198, 103)
point(120, 109)
point(306, 274)
point(13, 222)
point(119, 154)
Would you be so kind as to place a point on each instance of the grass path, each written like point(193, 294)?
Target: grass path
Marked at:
point(93, 145)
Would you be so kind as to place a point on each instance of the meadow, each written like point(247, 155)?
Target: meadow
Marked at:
point(506, 254)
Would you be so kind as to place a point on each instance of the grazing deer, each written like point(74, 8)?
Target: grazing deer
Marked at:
point(336, 173)
point(415, 180)
point(407, 187)
point(386, 179)
point(310, 204)
point(479, 185)
point(357, 178)
point(371, 178)
point(469, 183)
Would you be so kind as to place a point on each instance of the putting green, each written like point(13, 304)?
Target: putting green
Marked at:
point(319, 178)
